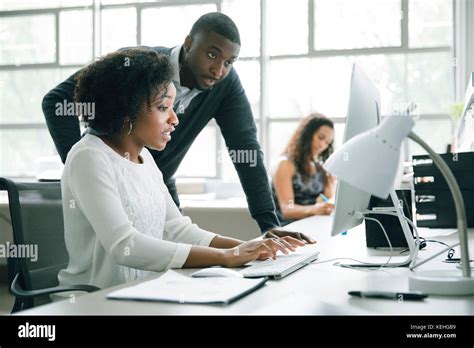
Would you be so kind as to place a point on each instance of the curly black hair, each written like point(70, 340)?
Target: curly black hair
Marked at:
point(298, 149)
point(119, 83)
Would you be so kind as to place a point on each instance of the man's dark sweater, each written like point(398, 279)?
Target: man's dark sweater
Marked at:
point(226, 103)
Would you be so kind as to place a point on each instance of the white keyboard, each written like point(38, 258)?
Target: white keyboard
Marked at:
point(283, 265)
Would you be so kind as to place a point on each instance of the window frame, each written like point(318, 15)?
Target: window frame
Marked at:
point(314, 53)
point(262, 118)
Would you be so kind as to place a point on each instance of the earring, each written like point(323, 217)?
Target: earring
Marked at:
point(130, 125)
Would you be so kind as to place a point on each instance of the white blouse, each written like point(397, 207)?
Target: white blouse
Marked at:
point(120, 221)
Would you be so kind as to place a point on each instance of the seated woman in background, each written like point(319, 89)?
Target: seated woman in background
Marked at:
point(300, 185)
point(120, 221)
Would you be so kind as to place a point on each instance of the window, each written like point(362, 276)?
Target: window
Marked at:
point(342, 24)
point(201, 157)
point(249, 74)
point(405, 46)
point(10, 5)
point(114, 35)
point(75, 37)
point(22, 42)
point(175, 34)
point(289, 64)
point(430, 26)
point(287, 28)
point(246, 15)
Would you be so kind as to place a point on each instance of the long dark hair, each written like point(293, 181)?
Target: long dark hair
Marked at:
point(299, 149)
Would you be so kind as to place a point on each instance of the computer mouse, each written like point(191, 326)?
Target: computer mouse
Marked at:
point(216, 272)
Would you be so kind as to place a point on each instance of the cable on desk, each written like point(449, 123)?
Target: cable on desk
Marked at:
point(386, 265)
point(450, 251)
point(353, 267)
point(417, 235)
point(413, 264)
point(434, 256)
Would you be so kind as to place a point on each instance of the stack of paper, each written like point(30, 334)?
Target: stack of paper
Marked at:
point(175, 287)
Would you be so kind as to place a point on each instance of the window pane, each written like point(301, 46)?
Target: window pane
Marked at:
point(388, 73)
point(289, 87)
point(437, 133)
point(329, 86)
point(21, 150)
point(423, 78)
point(430, 80)
point(347, 24)
point(166, 31)
point(249, 73)
point(20, 99)
point(75, 37)
point(27, 40)
point(229, 174)
point(7, 5)
point(430, 23)
point(246, 15)
point(119, 28)
point(279, 134)
point(201, 157)
point(287, 27)
point(320, 85)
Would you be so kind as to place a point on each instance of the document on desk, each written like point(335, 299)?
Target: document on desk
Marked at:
point(175, 287)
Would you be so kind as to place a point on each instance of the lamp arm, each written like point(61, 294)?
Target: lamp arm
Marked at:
point(458, 201)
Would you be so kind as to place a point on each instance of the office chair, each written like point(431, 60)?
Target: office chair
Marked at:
point(37, 222)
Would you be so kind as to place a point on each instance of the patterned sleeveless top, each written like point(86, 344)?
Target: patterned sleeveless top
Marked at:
point(305, 192)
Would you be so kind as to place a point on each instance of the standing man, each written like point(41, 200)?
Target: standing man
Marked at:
point(207, 87)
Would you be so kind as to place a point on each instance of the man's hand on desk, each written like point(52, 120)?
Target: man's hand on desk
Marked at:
point(296, 237)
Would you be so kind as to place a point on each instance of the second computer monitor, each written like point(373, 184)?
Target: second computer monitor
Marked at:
point(363, 114)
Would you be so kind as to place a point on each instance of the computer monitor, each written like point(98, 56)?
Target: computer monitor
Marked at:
point(363, 114)
point(465, 130)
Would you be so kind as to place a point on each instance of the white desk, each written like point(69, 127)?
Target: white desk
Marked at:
point(319, 289)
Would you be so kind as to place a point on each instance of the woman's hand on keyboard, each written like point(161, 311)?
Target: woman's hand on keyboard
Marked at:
point(281, 233)
point(255, 250)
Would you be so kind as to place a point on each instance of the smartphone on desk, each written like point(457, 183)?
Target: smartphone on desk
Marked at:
point(452, 260)
point(455, 260)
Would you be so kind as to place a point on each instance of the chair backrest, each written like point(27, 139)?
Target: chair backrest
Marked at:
point(38, 234)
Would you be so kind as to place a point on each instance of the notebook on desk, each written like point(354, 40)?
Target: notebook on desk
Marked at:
point(175, 287)
point(283, 265)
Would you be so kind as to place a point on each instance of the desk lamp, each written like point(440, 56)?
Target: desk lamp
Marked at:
point(369, 162)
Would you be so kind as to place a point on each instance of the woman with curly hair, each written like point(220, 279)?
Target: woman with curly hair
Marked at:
point(301, 187)
point(120, 220)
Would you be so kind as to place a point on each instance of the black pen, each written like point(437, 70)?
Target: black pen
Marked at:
point(409, 296)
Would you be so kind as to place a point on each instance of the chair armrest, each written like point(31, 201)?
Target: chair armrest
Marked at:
point(18, 290)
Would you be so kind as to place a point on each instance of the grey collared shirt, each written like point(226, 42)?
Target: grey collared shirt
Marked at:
point(184, 95)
